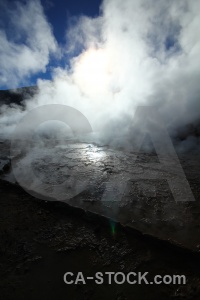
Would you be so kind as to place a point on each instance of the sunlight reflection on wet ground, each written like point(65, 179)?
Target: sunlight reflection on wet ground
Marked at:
point(147, 205)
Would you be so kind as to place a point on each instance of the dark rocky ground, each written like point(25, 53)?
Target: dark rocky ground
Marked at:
point(115, 183)
point(41, 240)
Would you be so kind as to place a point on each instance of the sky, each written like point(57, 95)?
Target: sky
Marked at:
point(59, 14)
point(103, 58)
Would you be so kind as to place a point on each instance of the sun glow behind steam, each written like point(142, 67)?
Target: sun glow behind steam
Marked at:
point(92, 71)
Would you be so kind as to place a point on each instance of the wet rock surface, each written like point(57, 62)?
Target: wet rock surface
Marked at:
point(41, 240)
point(106, 181)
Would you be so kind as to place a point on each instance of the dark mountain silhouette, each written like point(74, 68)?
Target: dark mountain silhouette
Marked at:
point(17, 96)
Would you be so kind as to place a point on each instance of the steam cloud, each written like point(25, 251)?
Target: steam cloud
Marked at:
point(134, 53)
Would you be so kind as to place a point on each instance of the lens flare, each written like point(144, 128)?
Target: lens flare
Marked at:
point(113, 227)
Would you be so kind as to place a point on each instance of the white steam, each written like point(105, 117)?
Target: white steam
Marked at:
point(137, 52)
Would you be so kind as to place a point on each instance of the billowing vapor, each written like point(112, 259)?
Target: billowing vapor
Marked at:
point(135, 53)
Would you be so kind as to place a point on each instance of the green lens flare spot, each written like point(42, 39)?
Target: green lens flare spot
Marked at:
point(113, 227)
